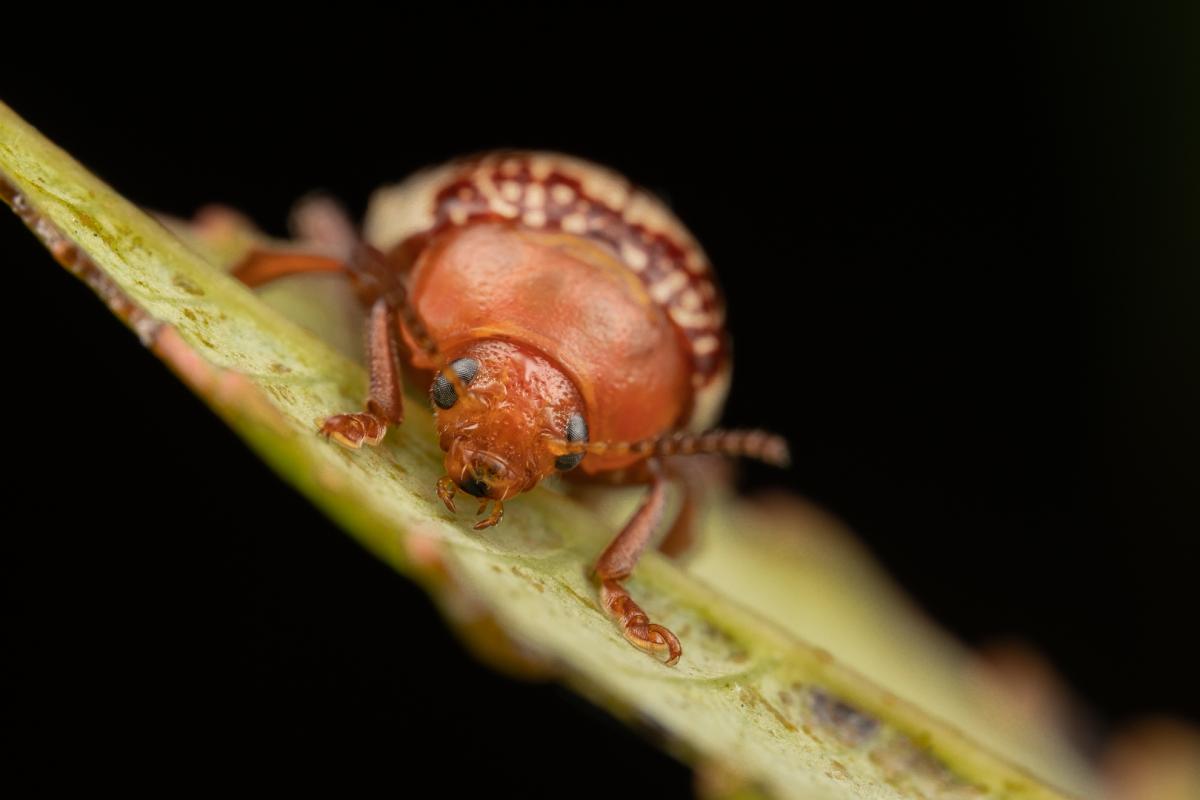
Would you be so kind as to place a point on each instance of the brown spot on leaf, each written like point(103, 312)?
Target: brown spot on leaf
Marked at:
point(756, 697)
point(586, 601)
point(281, 393)
point(87, 220)
point(848, 724)
point(186, 284)
point(905, 765)
point(532, 581)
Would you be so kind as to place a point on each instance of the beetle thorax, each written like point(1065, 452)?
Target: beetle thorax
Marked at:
point(498, 439)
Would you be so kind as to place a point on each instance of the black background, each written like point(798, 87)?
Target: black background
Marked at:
point(960, 254)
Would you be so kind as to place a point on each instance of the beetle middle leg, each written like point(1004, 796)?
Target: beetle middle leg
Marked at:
point(616, 563)
point(263, 266)
point(693, 480)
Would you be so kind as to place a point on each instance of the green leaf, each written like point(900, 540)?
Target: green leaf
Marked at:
point(754, 705)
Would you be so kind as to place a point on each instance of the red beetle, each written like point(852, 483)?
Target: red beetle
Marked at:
point(568, 321)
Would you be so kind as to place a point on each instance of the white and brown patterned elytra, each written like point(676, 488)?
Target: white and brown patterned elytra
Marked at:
point(555, 192)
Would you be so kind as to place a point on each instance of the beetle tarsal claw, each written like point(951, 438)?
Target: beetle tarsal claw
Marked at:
point(446, 489)
point(354, 430)
point(637, 628)
point(491, 519)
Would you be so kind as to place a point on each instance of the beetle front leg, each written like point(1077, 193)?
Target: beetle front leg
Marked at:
point(386, 402)
point(617, 562)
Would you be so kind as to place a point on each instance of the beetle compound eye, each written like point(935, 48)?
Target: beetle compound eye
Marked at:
point(568, 462)
point(577, 433)
point(443, 390)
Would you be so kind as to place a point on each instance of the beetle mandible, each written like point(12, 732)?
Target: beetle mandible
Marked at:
point(569, 322)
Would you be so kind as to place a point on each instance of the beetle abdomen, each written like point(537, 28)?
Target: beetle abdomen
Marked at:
point(554, 192)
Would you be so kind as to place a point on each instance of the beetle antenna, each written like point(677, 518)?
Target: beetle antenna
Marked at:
point(759, 445)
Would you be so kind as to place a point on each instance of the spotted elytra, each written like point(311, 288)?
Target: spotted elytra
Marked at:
point(568, 323)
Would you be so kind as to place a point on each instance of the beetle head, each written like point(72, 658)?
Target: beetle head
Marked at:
point(497, 438)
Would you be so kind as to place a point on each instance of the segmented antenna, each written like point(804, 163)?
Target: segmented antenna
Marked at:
point(759, 445)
